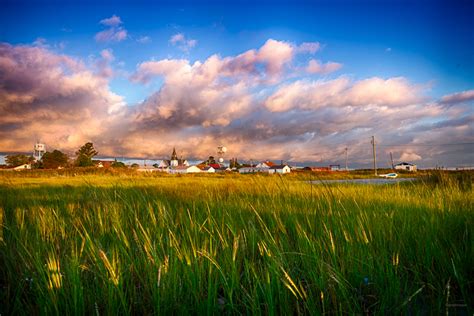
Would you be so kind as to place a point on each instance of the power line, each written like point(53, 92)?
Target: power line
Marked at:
point(390, 145)
point(414, 145)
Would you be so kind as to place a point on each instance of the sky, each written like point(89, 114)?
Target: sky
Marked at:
point(294, 81)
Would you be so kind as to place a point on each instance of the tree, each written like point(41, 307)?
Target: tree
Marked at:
point(118, 164)
point(54, 160)
point(85, 154)
point(233, 163)
point(210, 160)
point(18, 160)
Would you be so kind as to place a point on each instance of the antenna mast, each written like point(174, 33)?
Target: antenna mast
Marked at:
point(374, 154)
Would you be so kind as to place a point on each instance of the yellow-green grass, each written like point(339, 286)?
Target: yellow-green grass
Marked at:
point(128, 243)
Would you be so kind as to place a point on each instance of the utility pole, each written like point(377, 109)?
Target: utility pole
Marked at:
point(346, 160)
point(375, 156)
point(391, 159)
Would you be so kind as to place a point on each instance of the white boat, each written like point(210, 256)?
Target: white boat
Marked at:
point(389, 175)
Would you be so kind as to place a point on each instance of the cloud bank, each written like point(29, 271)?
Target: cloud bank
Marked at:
point(260, 103)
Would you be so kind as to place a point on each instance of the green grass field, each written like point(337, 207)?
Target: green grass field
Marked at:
point(154, 244)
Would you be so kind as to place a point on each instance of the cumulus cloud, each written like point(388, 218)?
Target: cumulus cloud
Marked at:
point(377, 93)
point(266, 63)
point(114, 33)
point(182, 42)
point(51, 97)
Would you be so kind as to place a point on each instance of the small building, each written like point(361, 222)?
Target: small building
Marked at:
point(148, 169)
point(102, 163)
point(265, 164)
point(280, 169)
point(208, 169)
point(25, 166)
point(405, 166)
point(184, 169)
point(253, 170)
point(335, 167)
point(223, 169)
point(215, 166)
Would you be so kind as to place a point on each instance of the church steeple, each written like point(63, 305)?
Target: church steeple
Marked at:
point(174, 156)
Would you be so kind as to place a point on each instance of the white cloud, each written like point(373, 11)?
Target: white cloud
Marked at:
point(111, 35)
point(112, 21)
point(182, 42)
point(177, 38)
point(410, 156)
point(114, 32)
point(378, 92)
point(309, 47)
point(316, 67)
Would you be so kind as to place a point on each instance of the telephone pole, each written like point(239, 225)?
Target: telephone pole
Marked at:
point(346, 159)
point(375, 156)
point(391, 159)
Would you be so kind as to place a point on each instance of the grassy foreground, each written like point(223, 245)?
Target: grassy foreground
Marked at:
point(129, 244)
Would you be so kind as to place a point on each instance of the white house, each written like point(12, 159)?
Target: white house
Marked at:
point(148, 169)
point(224, 169)
point(253, 170)
point(208, 169)
point(405, 166)
point(265, 164)
point(26, 166)
point(184, 169)
point(280, 169)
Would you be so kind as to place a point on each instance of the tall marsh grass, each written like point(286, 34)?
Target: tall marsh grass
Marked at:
point(110, 244)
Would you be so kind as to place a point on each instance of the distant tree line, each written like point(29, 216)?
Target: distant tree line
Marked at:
point(57, 159)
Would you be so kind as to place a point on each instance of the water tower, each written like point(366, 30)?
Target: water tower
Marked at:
point(39, 151)
point(221, 150)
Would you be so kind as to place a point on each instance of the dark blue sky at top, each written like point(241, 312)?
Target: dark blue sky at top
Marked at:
point(428, 42)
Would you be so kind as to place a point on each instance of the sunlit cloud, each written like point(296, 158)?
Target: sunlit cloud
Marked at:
point(53, 97)
point(316, 67)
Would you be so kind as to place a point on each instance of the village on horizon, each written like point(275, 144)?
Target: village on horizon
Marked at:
point(180, 165)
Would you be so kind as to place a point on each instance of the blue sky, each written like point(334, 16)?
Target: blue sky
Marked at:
point(422, 52)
